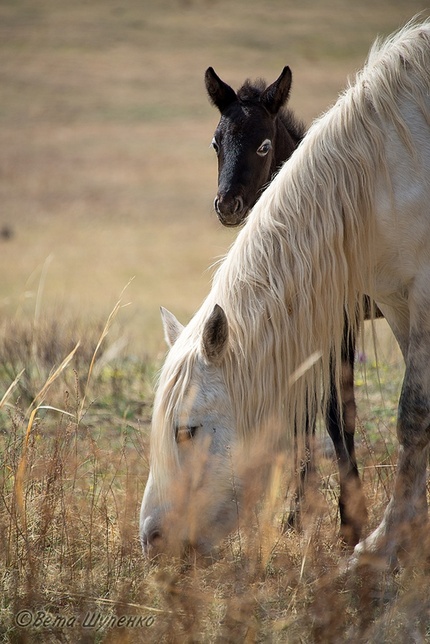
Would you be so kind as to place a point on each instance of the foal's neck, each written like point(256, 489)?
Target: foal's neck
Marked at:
point(285, 144)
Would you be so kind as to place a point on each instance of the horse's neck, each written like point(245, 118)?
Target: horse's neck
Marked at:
point(285, 145)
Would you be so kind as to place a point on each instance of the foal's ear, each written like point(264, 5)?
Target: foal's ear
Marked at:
point(221, 95)
point(172, 328)
point(215, 335)
point(276, 95)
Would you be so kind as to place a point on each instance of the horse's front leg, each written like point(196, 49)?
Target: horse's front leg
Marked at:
point(341, 429)
point(305, 470)
point(406, 512)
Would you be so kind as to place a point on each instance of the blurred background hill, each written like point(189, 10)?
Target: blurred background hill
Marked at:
point(106, 173)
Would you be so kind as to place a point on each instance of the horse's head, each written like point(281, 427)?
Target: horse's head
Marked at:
point(191, 498)
point(249, 141)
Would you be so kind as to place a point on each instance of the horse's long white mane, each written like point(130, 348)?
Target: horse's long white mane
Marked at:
point(300, 262)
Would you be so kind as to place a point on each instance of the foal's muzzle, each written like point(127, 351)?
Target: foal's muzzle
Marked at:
point(231, 211)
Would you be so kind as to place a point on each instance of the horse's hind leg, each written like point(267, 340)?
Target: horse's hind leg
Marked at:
point(352, 505)
point(406, 512)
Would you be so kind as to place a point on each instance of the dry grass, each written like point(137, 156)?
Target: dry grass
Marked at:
point(106, 174)
point(105, 130)
point(74, 465)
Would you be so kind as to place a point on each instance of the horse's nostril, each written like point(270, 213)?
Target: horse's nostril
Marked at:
point(151, 535)
point(154, 537)
point(152, 542)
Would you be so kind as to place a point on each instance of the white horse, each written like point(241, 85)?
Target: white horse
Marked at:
point(347, 215)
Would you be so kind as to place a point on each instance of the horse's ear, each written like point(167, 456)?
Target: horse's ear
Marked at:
point(215, 335)
point(221, 95)
point(172, 328)
point(276, 95)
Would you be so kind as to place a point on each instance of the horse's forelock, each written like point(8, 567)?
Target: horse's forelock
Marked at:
point(250, 94)
point(251, 91)
point(172, 387)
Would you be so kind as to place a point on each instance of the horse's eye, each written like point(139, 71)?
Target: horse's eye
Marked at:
point(183, 434)
point(215, 145)
point(264, 148)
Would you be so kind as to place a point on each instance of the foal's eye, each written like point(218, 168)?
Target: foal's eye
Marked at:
point(264, 148)
point(215, 145)
point(183, 434)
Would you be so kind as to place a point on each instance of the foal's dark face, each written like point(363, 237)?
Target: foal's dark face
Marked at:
point(243, 141)
point(250, 141)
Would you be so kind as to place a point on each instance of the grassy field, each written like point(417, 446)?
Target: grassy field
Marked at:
point(105, 128)
point(106, 183)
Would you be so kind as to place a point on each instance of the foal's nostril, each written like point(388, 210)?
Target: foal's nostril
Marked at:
point(238, 206)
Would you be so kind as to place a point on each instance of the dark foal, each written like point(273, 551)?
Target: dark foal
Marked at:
point(256, 134)
point(254, 137)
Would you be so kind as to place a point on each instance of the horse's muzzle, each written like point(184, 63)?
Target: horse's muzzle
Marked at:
point(151, 537)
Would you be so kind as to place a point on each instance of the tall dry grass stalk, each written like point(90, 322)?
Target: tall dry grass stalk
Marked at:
point(74, 466)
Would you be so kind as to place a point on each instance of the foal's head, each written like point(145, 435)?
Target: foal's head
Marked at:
point(253, 138)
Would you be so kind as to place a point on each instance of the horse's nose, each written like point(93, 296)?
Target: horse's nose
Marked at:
point(151, 537)
point(230, 210)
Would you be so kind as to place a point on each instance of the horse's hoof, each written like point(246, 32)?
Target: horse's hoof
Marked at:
point(349, 537)
point(366, 558)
